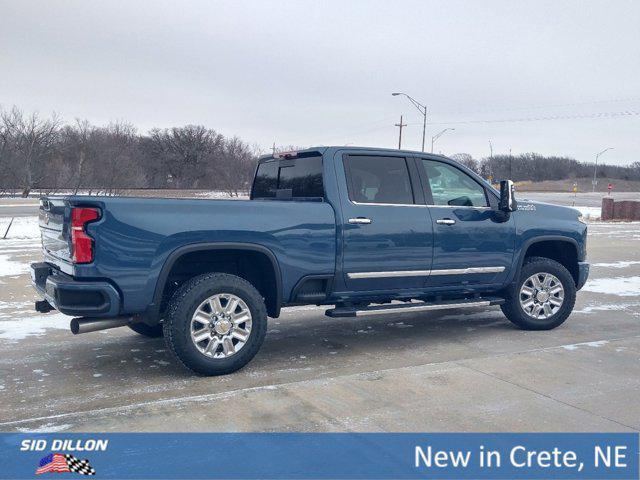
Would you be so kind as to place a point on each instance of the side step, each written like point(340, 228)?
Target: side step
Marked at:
point(413, 307)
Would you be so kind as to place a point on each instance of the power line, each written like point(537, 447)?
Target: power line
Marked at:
point(552, 105)
point(626, 113)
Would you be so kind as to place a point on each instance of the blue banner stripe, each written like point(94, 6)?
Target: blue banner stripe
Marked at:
point(332, 455)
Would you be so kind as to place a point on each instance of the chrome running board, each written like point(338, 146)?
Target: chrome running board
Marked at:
point(412, 307)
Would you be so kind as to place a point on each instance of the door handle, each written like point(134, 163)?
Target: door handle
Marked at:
point(360, 221)
point(446, 221)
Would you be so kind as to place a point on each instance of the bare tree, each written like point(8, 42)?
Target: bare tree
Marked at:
point(32, 141)
point(78, 146)
point(468, 161)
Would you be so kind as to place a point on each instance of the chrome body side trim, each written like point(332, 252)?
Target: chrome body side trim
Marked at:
point(467, 271)
point(400, 273)
point(424, 273)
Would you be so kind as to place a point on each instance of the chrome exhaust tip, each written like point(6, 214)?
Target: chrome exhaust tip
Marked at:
point(89, 324)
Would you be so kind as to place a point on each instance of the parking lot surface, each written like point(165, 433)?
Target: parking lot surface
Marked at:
point(451, 371)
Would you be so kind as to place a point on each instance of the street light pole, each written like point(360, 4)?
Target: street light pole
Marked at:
point(422, 109)
point(595, 170)
point(437, 136)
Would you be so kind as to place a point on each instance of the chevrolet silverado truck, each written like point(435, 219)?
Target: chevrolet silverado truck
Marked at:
point(366, 231)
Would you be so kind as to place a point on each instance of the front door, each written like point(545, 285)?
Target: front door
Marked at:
point(387, 230)
point(473, 244)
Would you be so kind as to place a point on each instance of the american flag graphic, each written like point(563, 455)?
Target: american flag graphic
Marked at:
point(61, 463)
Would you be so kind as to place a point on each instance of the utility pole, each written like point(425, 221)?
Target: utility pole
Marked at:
point(510, 167)
point(595, 170)
point(400, 125)
point(490, 162)
point(274, 148)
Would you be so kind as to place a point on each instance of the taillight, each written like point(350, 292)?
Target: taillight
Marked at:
point(82, 243)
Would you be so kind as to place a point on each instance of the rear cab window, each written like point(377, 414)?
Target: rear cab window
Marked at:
point(378, 180)
point(297, 177)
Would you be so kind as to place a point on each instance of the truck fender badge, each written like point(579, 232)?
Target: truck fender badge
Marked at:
point(527, 207)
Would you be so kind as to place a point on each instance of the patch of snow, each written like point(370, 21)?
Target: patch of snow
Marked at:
point(606, 307)
point(217, 194)
point(12, 267)
point(596, 344)
point(619, 264)
point(46, 428)
point(22, 227)
point(620, 286)
point(21, 328)
point(589, 213)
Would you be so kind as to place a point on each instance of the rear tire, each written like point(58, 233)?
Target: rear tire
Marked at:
point(543, 297)
point(215, 323)
point(150, 331)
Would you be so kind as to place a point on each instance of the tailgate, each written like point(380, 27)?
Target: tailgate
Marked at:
point(54, 220)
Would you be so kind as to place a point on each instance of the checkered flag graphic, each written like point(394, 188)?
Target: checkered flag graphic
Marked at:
point(79, 466)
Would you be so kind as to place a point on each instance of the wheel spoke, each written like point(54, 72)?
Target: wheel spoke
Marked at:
point(240, 318)
point(215, 305)
point(528, 291)
point(202, 334)
point(202, 317)
point(556, 289)
point(528, 303)
point(241, 334)
point(232, 305)
point(228, 346)
point(547, 310)
point(555, 301)
point(535, 279)
point(212, 346)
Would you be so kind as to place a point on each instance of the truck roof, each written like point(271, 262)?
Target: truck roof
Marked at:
point(324, 148)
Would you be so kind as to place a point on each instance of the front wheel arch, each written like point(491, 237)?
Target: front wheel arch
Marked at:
point(561, 249)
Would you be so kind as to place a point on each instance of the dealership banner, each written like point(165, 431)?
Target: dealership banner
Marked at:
point(320, 455)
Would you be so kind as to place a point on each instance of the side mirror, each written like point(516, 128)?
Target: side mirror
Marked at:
point(507, 198)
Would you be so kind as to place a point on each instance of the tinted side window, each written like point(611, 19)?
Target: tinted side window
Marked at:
point(266, 182)
point(374, 179)
point(452, 187)
point(304, 178)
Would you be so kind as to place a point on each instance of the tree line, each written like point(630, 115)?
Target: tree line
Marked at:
point(45, 153)
point(48, 154)
point(538, 168)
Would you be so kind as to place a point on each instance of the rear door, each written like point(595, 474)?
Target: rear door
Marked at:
point(472, 243)
point(387, 231)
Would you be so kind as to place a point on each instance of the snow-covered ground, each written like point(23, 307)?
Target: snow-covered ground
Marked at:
point(21, 227)
point(589, 213)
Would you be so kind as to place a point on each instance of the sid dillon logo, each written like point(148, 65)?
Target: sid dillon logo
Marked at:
point(57, 462)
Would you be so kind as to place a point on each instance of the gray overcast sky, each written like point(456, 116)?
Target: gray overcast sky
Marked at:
point(319, 73)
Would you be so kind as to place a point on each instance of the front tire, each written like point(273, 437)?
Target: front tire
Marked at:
point(543, 297)
point(215, 323)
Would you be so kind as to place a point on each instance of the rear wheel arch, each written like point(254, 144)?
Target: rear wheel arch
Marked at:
point(268, 280)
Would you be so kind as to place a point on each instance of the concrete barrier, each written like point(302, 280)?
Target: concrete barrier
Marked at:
point(628, 210)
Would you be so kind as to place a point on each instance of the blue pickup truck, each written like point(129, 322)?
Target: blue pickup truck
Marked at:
point(367, 231)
